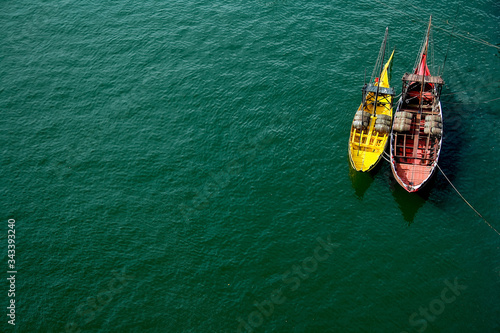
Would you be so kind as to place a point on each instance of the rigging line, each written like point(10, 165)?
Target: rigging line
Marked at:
point(449, 41)
point(386, 157)
point(380, 74)
point(478, 40)
point(433, 62)
point(461, 196)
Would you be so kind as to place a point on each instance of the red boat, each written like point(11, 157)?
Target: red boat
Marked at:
point(417, 130)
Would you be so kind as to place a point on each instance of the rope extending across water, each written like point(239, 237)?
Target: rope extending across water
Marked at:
point(461, 196)
point(386, 157)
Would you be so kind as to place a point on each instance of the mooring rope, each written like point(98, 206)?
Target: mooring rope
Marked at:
point(385, 156)
point(461, 196)
point(477, 39)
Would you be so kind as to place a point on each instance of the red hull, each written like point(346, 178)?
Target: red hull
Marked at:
point(417, 131)
point(414, 154)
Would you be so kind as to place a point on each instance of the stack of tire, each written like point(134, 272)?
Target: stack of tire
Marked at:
point(361, 120)
point(402, 121)
point(383, 123)
point(433, 125)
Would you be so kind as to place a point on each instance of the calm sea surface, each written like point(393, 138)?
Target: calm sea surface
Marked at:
point(181, 166)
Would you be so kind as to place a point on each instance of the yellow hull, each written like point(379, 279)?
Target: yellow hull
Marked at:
point(366, 145)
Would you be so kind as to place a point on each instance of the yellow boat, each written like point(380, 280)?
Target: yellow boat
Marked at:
point(372, 122)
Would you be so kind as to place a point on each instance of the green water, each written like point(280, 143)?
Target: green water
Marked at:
point(182, 167)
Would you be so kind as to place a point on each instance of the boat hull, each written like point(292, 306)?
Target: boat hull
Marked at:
point(414, 155)
point(367, 146)
point(371, 125)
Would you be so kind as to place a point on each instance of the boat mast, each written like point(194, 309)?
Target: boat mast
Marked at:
point(424, 53)
point(380, 73)
point(363, 92)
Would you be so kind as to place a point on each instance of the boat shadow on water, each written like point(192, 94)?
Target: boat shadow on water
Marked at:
point(410, 203)
point(361, 181)
point(454, 118)
point(437, 189)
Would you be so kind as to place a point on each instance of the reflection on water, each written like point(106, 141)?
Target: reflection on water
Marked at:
point(361, 181)
point(410, 203)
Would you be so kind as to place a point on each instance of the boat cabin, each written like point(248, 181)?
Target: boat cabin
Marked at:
point(412, 85)
point(384, 97)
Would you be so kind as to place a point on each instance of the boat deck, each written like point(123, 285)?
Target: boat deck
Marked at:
point(366, 147)
point(415, 151)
